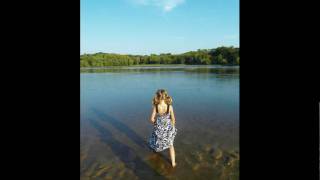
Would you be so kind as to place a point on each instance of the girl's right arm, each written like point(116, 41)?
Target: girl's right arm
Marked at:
point(153, 115)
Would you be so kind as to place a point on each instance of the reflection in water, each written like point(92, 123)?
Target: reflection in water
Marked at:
point(154, 69)
point(115, 107)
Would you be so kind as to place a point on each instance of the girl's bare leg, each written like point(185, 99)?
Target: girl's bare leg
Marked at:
point(172, 156)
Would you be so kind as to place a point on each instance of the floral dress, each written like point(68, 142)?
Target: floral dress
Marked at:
point(163, 133)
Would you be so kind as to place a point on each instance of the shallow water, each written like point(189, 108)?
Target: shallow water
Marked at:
point(115, 111)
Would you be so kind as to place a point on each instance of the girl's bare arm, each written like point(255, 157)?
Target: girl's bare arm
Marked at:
point(173, 118)
point(153, 115)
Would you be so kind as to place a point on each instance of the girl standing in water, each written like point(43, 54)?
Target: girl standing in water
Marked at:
point(163, 119)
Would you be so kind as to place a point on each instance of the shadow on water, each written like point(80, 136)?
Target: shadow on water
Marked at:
point(125, 154)
point(122, 127)
point(129, 133)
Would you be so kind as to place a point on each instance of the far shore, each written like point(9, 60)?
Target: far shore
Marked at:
point(157, 65)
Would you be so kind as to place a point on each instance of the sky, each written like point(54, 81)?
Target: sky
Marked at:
point(157, 26)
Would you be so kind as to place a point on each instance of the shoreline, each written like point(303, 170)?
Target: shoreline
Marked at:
point(161, 65)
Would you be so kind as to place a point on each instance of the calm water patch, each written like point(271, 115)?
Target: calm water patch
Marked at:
point(115, 111)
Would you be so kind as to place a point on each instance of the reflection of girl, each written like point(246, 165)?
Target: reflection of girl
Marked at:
point(163, 119)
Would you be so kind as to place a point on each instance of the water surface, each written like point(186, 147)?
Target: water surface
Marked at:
point(115, 111)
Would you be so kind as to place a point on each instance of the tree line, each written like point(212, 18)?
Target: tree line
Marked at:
point(221, 55)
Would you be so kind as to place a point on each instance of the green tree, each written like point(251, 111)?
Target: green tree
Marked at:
point(220, 55)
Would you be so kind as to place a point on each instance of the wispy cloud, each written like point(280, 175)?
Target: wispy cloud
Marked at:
point(165, 5)
point(168, 5)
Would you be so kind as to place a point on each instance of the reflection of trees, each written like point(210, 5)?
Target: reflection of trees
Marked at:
point(129, 70)
point(217, 70)
point(227, 78)
point(152, 69)
point(218, 73)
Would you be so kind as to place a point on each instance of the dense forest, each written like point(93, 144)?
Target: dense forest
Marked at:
point(220, 55)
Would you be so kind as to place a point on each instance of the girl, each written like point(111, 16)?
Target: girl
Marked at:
point(163, 119)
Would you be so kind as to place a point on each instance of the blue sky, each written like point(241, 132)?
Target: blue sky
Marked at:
point(157, 26)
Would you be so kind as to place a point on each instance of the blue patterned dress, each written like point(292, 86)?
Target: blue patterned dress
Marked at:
point(163, 133)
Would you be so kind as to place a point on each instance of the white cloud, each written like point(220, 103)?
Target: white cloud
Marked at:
point(165, 5)
point(168, 5)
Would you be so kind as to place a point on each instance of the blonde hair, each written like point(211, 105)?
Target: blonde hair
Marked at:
point(161, 94)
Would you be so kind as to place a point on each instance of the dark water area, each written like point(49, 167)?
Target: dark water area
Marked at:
point(115, 127)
